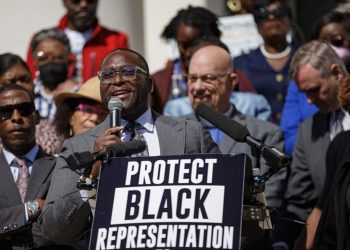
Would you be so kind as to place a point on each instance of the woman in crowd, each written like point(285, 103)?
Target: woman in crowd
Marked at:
point(267, 66)
point(79, 111)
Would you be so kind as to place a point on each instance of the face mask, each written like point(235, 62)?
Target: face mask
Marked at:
point(343, 53)
point(53, 74)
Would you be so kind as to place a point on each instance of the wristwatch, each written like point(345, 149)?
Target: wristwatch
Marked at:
point(33, 207)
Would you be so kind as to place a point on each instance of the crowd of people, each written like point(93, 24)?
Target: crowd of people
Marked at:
point(290, 94)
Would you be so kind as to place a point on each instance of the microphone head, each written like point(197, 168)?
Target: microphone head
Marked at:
point(227, 125)
point(115, 103)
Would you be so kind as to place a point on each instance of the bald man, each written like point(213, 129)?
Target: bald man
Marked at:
point(211, 80)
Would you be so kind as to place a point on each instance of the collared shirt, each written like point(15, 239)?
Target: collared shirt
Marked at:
point(345, 122)
point(216, 134)
point(149, 132)
point(31, 155)
point(44, 103)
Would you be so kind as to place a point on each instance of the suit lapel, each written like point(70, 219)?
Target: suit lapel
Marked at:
point(42, 168)
point(7, 183)
point(171, 136)
point(227, 144)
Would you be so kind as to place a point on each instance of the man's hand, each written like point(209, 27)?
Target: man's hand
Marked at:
point(107, 138)
point(41, 204)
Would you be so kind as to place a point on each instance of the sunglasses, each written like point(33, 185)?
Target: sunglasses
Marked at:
point(89, 109)
point(337, 41)
point(78, 1)
point(24, 109)
point(263, 14)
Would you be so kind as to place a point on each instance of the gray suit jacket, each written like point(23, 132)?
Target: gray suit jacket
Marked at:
point(66, 216)
point(270, 135)
point(308, 167)
point(12, 213)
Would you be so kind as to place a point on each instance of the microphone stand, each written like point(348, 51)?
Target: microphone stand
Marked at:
point(88, 182)
point(274, 159)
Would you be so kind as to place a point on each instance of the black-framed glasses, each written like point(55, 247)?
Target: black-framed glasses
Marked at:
point(126, 73)
point(207, 78)
point(24, 109)
point(78, 1)
point(263, 14)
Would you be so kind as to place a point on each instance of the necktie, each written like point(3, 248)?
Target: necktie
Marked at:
point(134, 129)
point(23, 175)
point(337, 125)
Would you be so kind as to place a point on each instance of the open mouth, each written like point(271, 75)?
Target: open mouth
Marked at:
point(121, 94)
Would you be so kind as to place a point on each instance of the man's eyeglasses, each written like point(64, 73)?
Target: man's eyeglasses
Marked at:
point(263, 14)
point(90, 109)
point(24, 109)
point(127, 73)
point(208, 78)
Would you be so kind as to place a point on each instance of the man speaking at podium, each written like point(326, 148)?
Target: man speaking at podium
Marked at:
point(124, 75)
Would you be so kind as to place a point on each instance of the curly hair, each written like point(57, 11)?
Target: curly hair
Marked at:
point(344, 93)
point(197, 17)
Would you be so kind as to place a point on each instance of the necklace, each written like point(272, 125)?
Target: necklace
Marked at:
point(275, 56)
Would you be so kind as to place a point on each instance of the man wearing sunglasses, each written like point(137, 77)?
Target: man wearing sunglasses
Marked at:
point(123, 74)
point(25, 172)
point(90, 41)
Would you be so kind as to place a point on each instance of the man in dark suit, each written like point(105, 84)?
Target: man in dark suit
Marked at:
point(211, 80)
point(318, 71)
point(25, 172)
point(123, 74)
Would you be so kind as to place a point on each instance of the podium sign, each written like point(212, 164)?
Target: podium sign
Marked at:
point(170, 202)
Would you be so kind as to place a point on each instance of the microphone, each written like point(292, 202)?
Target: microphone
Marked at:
point(84, 160)
point(239, 133)
point(115, 106)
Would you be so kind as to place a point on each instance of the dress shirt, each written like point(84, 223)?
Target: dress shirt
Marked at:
point(149, 132)
point(345, 121)
point(216, 134)
point(30, 156)
point(44, 103)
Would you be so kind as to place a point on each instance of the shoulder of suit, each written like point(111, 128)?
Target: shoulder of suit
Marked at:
point(170, 120)
point(318, 117)
point(255, 124)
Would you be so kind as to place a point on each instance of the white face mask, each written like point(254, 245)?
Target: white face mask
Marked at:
point(343, 53)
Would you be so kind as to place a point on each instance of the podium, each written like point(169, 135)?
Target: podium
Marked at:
point(172, 202)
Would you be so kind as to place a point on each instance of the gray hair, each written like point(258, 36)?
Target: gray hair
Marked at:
point(54, 34)
point(320, 55)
